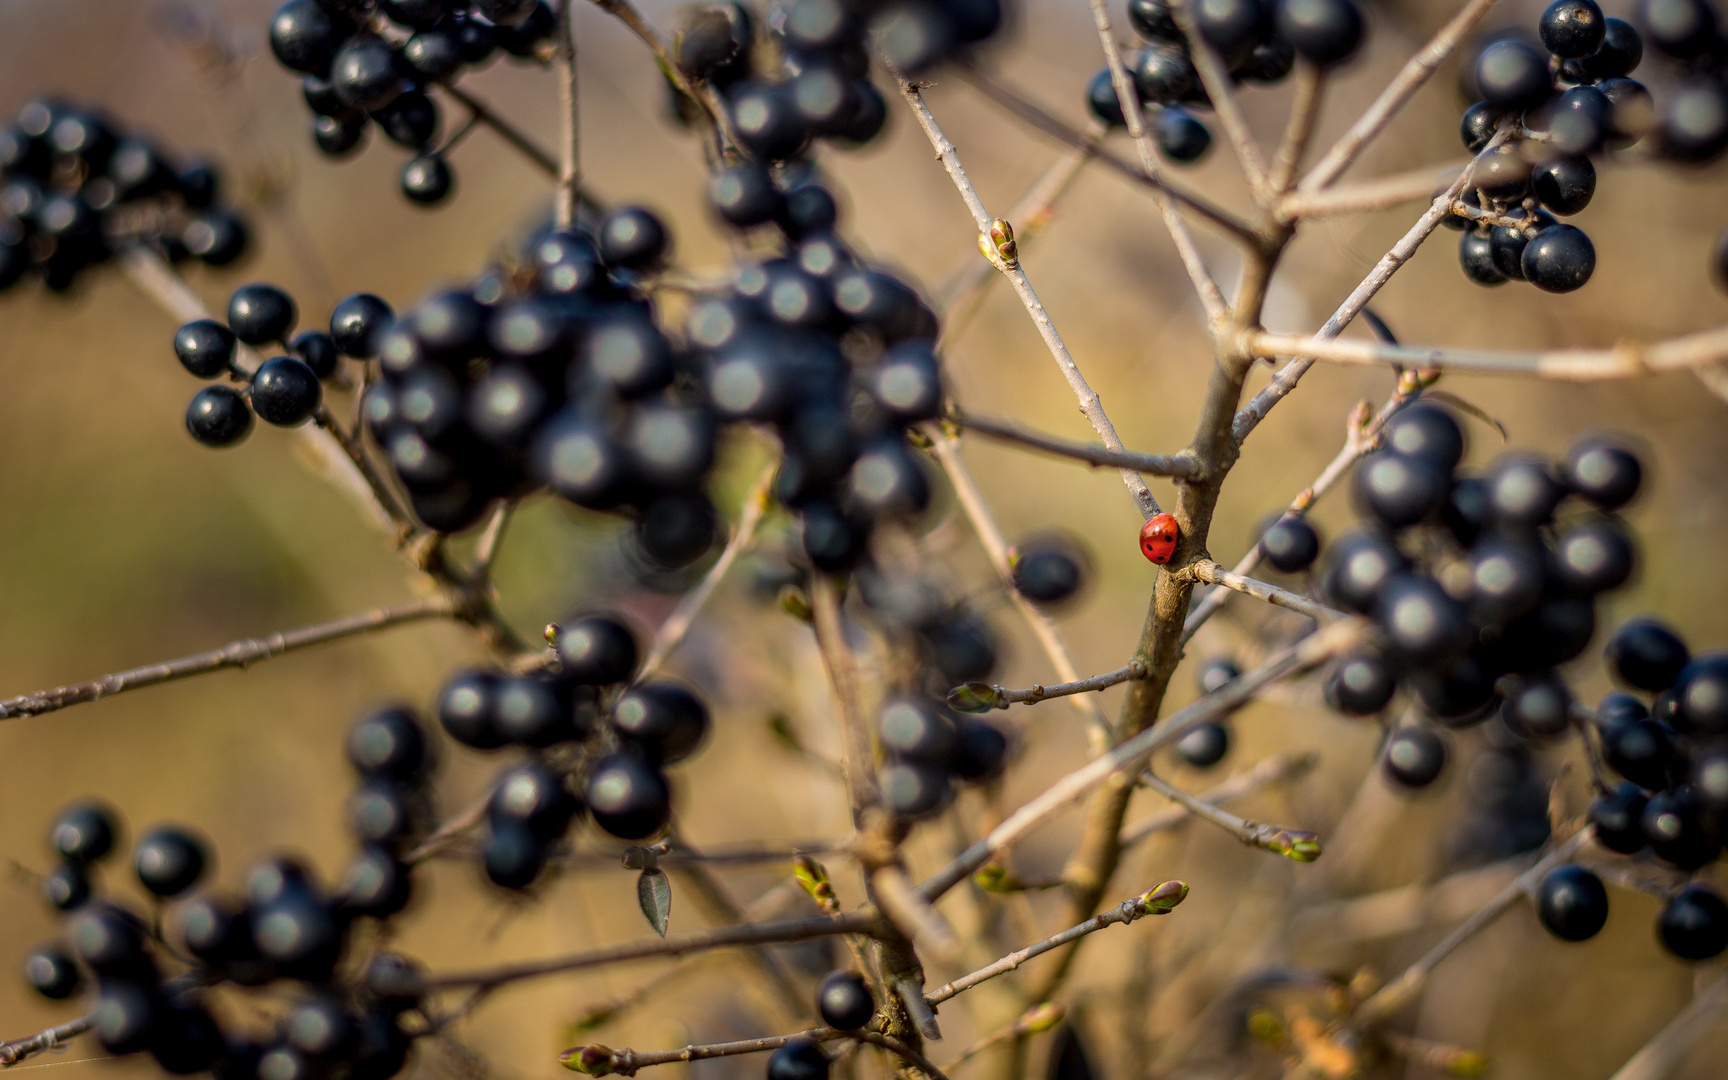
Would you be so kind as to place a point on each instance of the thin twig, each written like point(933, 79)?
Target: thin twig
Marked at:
point(11, 1053)
point(1304, 111)
point(859, 756)
point(569, 127)
point(1213, 574)
point(1405, 84)
point(1156, 901)
point(1329, 641)
point(1177, 465)
point(450, 829)
point(913, 916)
point(702, 94)
point(1664, 1052)
point(509, 132)
point(491, 538)
point(1274, 770)
point(1380, 193)
point(1091, 406)
point(1001, 696)
point(1041, 1017)
point(762, 933)
point(597, 1060)
point(672, 631)
point(1622, 361)
point(235, 654)
point(1297, 844)
point(996, 546)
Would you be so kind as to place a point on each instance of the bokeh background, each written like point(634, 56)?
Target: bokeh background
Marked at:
point(123, 542)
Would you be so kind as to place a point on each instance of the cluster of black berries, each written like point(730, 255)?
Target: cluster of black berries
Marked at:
point(1258, 41)
point(595, 744)
point(845, 1003)
point(284, 390)
point(1562, 108)
point(1205, 745)
point(285, 929)
point(1668, 739)
point(1478, 591)
point(75, 188)
point(367, 62)
point(929, 747)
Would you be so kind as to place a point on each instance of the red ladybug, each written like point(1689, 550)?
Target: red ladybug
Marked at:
point(1158, 538)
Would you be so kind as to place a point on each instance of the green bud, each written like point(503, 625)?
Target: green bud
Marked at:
point(795, 603)
point(995, 878)
point(1040, 1017)
point(1468, 1064)
point(1163, 899)
point(592, 1060)
point(974, 697)
point(1298, 844)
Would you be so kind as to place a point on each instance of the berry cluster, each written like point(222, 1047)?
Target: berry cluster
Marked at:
point(366, 62)
point(1478, 591)
point(929, 747)
point(75, 188)
point(284, 390)
point(286, 928)
point(1258, 41)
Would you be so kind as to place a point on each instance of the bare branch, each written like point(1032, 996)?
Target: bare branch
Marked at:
point(597, 1060)
point(1001, 697)
point(1213, 574)
point(1090, 405)
point(1299, 845)
point(1298, 129)
point(1622, 361)
point(11, 1053)
point(859, 754)
point(1216, 79)
point(913, 916)
point(1381, 193)
point(1179, 465)
point(672, 631)
point(1327, 642)
point(450, 829)
point(1274, 770)
point(569, 128)
point(1664, 1053)
point(235, 654)
point(1157, 901)
point(996, 546)
point(1405, 84)
point(762, 933)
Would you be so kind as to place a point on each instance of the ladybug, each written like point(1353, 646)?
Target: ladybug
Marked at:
point(1158, 538)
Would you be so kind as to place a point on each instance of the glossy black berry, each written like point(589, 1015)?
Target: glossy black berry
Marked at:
point(1216, 673)
point(1101, 99)
point(916, 730)
point(513, 856)
point(1181, 136)
point(357, 323)
point(1414, 757)
point(913, 790)
point(809, 211)
point(843, 999)
point(1476, 257)
point(1506, 579)
point(1420, 621)
point(1559, 259)
point(1639, 750)
point(1522, 492)
point(1163, 74)
point(1676, 826)
point(1324, 32)
point(1694, 924)
point(1618, 818)
point(1426, 432)
point(1570, 900)
point(83, 833)
point(532, 711)
point(628, 796)
point(1701, 696)
point(216, 237)
point(205, 348)
point(126, 1016)
point(364, 74)
point(467, 709)
point(169, 861)
point(1204, 745)
point(1478, 125)
point(300, 933)
point(1358, 566)
point(1564, 184)
point(410, 121)
point(1603, 473)
point(1538, 707)
point(906, 382)
point(1619, 54)
point(1049, 570)
point(1290, 544)
point(1617, 706)
point(339, 136)
point(388, 742)
point(597, 650)
point(665, 719)
point(1233, 27)
point(1459, 695)
point(379, 812)
point(1646, 654)
point(1362, 684)
point(1511, 75)
point(1572, 29)
point(285, 391)
point(375, 883)
point(803, 1059)
point(1397, 490)
point(533, 795)
point(633, 238)
point(51, 972)
point(427, 180)
point(317, 351)
point(109, 942)
point(261, 313)
point(677, 529)
point(434, 54)
point(981, 752)
point(1153, 20)
point(888, 481)
point(743, 195)
point(1680, 28)
point(67, 886)
point(1593, 557)
point(628, 352)
point(304, 35)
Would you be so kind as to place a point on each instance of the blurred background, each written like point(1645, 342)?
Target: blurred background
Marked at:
point(124, 542)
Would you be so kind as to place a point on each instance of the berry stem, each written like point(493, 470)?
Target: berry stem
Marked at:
point(1175, 465)
point(1274, 770)
point(569, 128)
point(1213, 574)
point(1365, 197)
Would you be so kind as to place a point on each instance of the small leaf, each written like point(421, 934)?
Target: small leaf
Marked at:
point(1465, 407)
point(974, 697)
point(813, 877)
point(654, 893)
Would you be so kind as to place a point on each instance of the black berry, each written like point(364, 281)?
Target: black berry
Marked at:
point(1204, 745)
point(1571, 901)
point(665, 719)
point(1414, 757)
point(467, 709)
point(261, 313)
point(597, 650)
point(628, 796)
point(1603, 473)
point(169, 861)
point(1290, 544)
point(1694, 924)
point(285, 392)
point(844, 1000)
point(51, 972)
point(1646, 654)
point(205, 347)
point(83, 833)
point(803, 1059)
